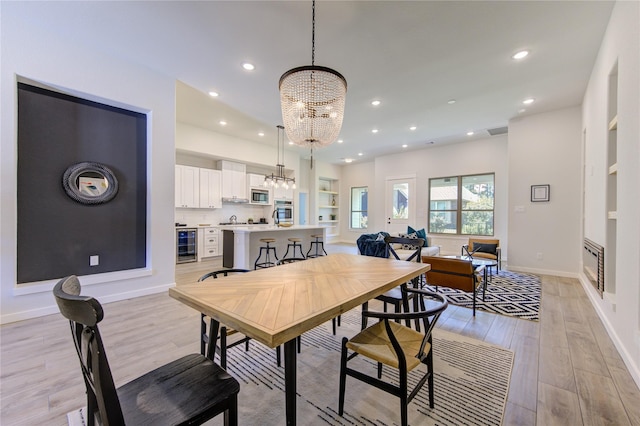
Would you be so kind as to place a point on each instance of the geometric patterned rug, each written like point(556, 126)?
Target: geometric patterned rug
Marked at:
point(508, 293)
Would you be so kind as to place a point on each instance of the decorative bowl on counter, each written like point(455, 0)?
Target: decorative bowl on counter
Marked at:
point(285, 225)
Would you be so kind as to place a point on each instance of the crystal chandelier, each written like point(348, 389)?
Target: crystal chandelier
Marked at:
point(279, 178)
point(312, 99)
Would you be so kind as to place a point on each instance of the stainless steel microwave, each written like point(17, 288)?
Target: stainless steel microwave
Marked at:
point(259, 196)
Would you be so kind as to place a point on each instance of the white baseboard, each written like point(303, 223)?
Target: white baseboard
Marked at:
point(541, 271)
point(53, 309)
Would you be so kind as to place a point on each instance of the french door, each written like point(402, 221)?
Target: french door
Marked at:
point(400, 204)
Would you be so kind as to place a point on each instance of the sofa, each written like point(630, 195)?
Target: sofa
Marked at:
point(373, 245)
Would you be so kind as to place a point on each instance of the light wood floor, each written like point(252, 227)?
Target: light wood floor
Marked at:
point(566, 370)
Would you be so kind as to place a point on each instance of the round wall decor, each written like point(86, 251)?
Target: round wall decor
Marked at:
point(90, 183)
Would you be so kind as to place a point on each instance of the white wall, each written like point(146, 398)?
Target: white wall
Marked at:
point(357, 174)
point(475, 157)
point(29, 51)
point(620, 312)
point(545, 149)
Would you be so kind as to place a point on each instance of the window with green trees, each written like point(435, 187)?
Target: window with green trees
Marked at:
point(462, 205)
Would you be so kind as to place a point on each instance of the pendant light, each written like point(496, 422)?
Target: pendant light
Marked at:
point(312, 100)
point(279, 178)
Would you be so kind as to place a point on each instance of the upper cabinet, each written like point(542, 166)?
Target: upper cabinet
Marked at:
point(197, 188)
point(255, 180)
point(234, 181)
point(281, 193)
point(210, 189)
point(187, 186)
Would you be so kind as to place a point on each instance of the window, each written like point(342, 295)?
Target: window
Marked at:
point(462, 205)
point(359, 203)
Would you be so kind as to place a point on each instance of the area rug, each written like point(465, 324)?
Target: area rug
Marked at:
point(508, 293)
point(471, 384)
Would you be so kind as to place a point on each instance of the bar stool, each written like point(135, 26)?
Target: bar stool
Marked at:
point(319, 244)
point(294, 242)
point(267, 262)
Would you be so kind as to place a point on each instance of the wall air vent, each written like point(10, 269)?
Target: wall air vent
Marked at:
point(498, 131)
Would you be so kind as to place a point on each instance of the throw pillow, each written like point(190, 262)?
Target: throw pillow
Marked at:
point(485, 248)
point(421, 234)
point(412, 236)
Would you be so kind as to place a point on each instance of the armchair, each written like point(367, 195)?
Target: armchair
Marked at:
point(485, 248)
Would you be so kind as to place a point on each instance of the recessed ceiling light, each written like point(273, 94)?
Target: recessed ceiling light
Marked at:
point(374, 131)
point(520, 55)
point(340, 141)
point(520, 111)
point(261, 134)
point(290, 143)
point(214, 94)
point(412, 128)
point(360, 154)
point(375, 103)
point(528, 101)
point(451, 101)
point(469, 133)
point(223, 123)
point(348, 160)
point(405, 145)
point(247, 66)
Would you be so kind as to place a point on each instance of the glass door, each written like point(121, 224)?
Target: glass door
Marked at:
point(400, 208)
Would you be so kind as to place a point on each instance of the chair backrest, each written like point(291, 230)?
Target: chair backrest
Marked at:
point(290, 260)
point(222, 272)
point(414, 244)
point(84, 313)
point(427, 312)
point(453, 273)
point(489, 245)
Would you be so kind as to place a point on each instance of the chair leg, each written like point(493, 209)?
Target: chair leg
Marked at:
point(278, 356)
point(343, 376)
point(365, 307)
point(430, 379)
point(231, 414)
point(223, 347)
point(404, 399)
point(299, 342)
point(379, 370)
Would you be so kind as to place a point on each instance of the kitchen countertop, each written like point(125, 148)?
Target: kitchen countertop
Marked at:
point(266, 228)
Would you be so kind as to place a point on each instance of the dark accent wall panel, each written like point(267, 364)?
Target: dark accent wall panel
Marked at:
point(57, 235)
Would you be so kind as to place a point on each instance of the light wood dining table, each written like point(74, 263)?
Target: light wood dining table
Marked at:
point(276, 305)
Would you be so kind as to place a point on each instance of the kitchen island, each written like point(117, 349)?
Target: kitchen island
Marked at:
point(244, 242)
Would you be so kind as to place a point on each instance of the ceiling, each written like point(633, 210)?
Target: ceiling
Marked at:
point(413, 56)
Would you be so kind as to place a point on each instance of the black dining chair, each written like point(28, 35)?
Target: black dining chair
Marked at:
point(395, 345)
point(208, 349)
point(395, 296)
point(155, 398)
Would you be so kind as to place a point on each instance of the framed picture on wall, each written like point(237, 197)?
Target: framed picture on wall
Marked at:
point(540, 193)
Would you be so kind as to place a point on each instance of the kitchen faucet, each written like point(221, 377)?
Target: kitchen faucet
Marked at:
point(274, 215)
point(233, 219)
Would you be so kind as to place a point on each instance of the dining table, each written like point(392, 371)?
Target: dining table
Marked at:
point(276, 305)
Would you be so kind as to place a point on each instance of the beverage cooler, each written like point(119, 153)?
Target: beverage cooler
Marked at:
point(186, 245)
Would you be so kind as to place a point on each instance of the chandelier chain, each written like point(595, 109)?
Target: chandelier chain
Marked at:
point(313, 33)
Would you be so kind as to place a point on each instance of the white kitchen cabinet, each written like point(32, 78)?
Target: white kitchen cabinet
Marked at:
point(210, 189)
point(234, 180)
point(209, 243)
point(187, 189)
point(255, 180)
point(281, 193)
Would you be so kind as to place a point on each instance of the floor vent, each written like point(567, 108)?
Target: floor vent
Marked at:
point(498, 131)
